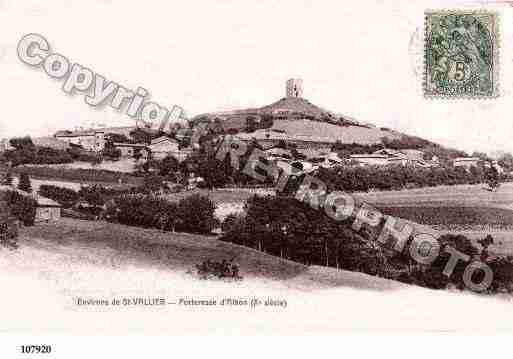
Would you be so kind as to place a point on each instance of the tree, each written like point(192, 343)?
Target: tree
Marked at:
point(481, 155)
point(167, 165)
point(197, 214)
point(154, 183)
point(7, 178)
point(251, 125)
point(96, 160)
point(111, 151)
point(137, 154)
point(20, 143)
point(492, 178)
point(24, 184)
point(93, 195)
point(117, 137)
point(506, 161)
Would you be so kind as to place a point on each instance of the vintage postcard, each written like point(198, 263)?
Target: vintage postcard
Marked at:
point(255, 167)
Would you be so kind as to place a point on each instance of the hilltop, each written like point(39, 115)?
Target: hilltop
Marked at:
point(297, 121)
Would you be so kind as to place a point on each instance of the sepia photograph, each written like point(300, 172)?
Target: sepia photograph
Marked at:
point(254, 168)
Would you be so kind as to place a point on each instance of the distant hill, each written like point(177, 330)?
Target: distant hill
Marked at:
point(298, 121)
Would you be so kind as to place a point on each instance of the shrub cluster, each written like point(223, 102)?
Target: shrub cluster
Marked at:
point(225, 269)
point(194, 214)
point(78, 174)
point(291, 229)
point(363, 179)
point(21, 207)
point(37, 155)
point(65, 196)
point(8, 226)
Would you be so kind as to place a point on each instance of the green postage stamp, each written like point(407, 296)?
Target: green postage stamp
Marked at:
point(461, 54)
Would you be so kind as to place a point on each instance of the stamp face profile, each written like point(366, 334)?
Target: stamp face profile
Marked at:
point(461, 54)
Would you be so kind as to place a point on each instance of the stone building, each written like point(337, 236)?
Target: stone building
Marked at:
point(294, 88)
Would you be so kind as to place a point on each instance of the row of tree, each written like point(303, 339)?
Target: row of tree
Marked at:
point(363, 179)
point(285, 227)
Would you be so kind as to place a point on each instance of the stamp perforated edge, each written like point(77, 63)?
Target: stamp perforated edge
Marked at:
point(495, 57)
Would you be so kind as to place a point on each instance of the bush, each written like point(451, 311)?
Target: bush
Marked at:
point(197, 214)
point(22, 207)
point(194, 214)
point(232, 222)
point(7, 178)
point(78, 174)
point(143, 211)
point(432, 276)
point(398, 177)
point(24, 183)
point(8, 233)
point(29, 154)
point(154, 183)
point(225, 269)
point(65, 196)
point(502, 269)
point(93, 195)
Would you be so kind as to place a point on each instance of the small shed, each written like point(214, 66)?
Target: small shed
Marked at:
point(47, 210)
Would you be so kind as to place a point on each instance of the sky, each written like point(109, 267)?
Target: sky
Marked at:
point(362, 59)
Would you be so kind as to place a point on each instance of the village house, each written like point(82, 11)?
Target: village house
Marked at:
point(92, 139)
point(47, 210)
point(370, 159)
point(466, 162)
point(5, 145)
point(327, 160)
point(51, 142)
point(130, 149)
point(278, 153)
point(386, 156)
point(164, 146)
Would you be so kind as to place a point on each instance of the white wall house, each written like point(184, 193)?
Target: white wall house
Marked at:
point(163, 146)
point(466, 162)
point(90, 140)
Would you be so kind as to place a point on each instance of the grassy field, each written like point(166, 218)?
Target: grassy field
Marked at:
point(470, 210)
point(126, 165)
point(463, 205)
point(58, 263)
point(456, 218)
point(110, 244)
point(79, 175)
point(222, 195)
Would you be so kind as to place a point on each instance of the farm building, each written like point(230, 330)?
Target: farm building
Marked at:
point(371, 159)
point(129, 149)
point(466, 162)
point(164, 146)
point(5, 145)
point(92, 139)
point(47, 210)
point(388, 156)
point(51, 142)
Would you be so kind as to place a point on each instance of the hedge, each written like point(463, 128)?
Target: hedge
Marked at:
point(194, 214)
point(65, 196)
point(363, 179)
point(78, 174)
